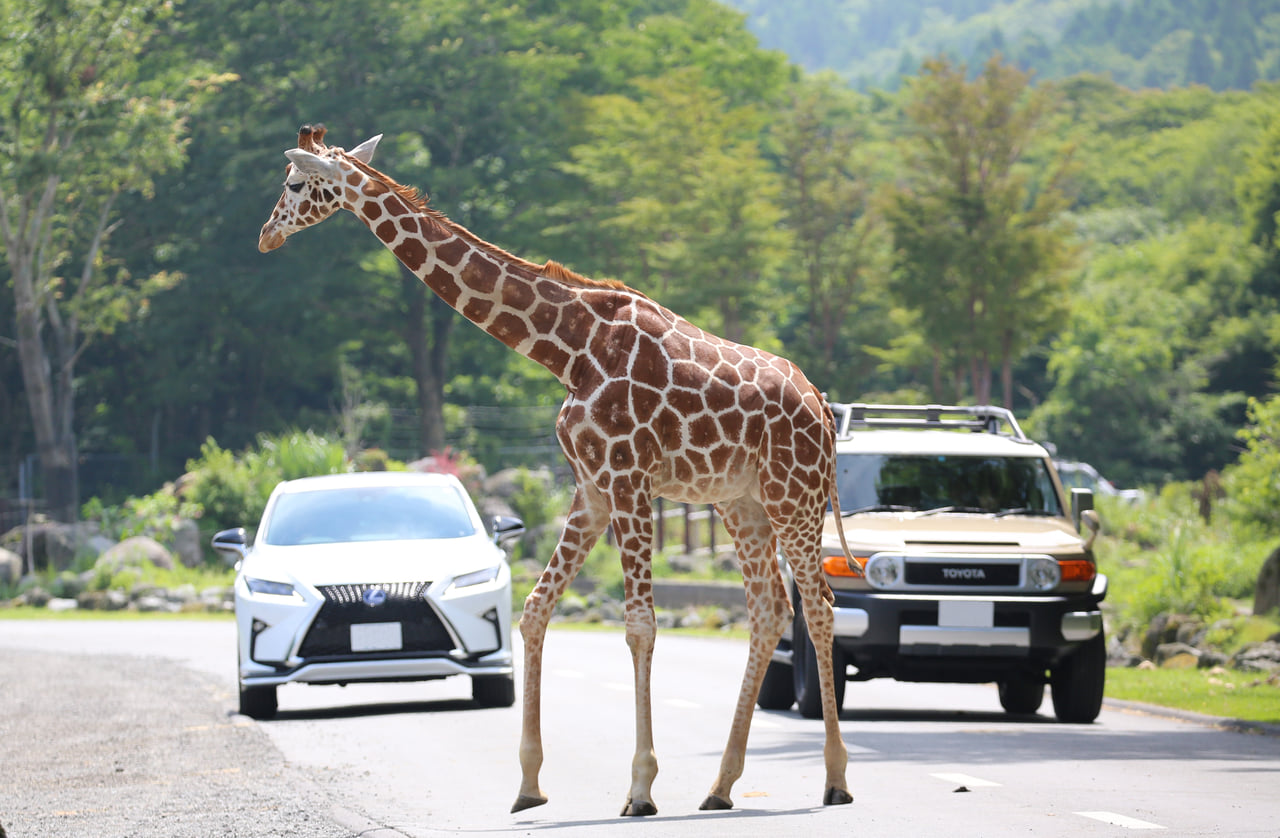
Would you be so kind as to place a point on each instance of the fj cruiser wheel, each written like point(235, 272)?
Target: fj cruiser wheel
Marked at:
point(777, 692)
point(804, 672)
point(497, 691)
point(258, 702)
point(1078, 681)
point(1021, 694)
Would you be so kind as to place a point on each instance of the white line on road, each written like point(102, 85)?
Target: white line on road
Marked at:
point(1120, 820)
point(966, 780)
point(681, 703)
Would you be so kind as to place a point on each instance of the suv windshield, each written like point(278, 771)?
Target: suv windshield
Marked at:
point(945, 483)
point(382, 513)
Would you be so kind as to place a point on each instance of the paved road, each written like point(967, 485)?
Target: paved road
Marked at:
point(127, 729)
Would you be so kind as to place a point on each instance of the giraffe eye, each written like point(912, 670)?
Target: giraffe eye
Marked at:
point(294, 187)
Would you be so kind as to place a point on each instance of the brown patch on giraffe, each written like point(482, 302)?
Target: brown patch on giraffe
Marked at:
point(442, 283)
point(386, 231)
point(543, 318)
point(409, 224)
point(650, 364)
point(731, 423)
point(412, 253)
point(575, 324)
point(590, 448)
point(721, 397)
point(517, 293)
point(552, 292)
point(451, 252)
point(645, 401)
point(703, 430)
point(354, 178)
point(371, 210)
point(509, 329)
point(551, 356)
point(477, 309)
point(622, 456)
point(480, 274)
point(686, 402)
point(397, 207)
point(372, 188)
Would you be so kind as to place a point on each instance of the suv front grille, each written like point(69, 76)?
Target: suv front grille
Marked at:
point(422, 630)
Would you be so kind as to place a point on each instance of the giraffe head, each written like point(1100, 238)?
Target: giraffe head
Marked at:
point(313, 185)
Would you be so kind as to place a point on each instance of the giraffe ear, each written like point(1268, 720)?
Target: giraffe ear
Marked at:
point(309, 163)
point(364, 151)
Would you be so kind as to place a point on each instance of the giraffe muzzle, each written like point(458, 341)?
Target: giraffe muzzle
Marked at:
point(269, 239)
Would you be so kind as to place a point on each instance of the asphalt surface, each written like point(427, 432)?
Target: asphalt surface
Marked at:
point(96, 746)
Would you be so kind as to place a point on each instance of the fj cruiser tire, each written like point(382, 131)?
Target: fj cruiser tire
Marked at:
point(776, 692)
point(1021, 694)
point(804, 672)
point(1077, 682)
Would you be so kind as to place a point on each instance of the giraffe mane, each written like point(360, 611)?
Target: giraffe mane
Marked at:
point(551, 270)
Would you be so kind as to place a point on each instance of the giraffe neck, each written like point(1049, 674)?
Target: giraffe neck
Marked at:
point(535, 310)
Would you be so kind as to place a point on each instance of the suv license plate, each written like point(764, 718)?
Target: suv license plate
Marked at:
point(375, 637)
point(964, 613)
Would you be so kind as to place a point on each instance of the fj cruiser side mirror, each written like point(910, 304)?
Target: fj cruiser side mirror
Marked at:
point(232, 545)
point(506, 528)
point(1081, 499)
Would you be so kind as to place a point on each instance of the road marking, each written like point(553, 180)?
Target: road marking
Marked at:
point(964, 780)
point(681, 703)
point(619, 686)
point(1120, 820)
point(569, 673)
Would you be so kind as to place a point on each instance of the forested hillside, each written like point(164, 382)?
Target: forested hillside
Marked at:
point(1138, 43)
point(1100, 257)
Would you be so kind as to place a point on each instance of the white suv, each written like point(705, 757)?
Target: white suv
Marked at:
point(969, 565)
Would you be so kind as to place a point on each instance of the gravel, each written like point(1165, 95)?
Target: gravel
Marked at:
point(106, 746)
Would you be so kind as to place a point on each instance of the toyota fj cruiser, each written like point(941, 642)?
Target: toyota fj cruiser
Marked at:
point(968, 565)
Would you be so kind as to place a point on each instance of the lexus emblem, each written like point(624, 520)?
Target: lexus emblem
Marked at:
point(374, 596)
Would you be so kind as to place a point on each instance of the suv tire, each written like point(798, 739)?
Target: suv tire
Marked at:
point(258, 702)
point(1077, 682)
point(494, 691)
point(1021, 694)
point(804, 672)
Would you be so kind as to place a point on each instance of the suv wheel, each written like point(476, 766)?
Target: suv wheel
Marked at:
point(1077, 682)
point(804, 672)
point(1021, 694)
point(258, 702)
point(494, 691)
point(776, 692)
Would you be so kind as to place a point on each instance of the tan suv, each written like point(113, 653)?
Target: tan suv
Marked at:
point(969, 565)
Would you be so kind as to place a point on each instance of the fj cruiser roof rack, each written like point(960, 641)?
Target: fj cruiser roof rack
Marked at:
point(977, 418)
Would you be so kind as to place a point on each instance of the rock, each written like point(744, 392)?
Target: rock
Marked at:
point(102, 600)
point(134, 552)
point(1176, 656)
point(1266, 595)
point(1258, 657)
point(188, 544)
point(10, 567)
point(62, 604)
point(1120, 656)
point(52, 545)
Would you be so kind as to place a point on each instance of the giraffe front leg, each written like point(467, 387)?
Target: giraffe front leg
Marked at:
point(821, 623)
point(583, 526)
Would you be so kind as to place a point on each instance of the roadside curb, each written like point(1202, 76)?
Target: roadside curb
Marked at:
point(1221, 722)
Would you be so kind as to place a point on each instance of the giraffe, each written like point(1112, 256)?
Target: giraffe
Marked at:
point(656, 407)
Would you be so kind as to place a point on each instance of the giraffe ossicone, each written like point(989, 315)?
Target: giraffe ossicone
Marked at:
point(656, 407)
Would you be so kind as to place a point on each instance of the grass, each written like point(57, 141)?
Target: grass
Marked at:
point(1248, 696)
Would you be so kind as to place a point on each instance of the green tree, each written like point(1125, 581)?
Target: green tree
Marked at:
point(979, 255)
point(85, 118)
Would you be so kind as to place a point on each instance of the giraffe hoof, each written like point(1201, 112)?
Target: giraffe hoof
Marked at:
point(641, 809)
point(715, 802)
point(526, 801)
point(836, 797)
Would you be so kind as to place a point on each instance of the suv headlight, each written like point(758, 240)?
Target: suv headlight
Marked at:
point(477, 577)
point(266, 586)
point(1043, 574)
point(884, 571)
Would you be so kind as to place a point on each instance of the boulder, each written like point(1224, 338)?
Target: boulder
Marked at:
point(1177, 656)
point(1266, 596)
point(53, 545)
point(1258, 657)
point(134, 552)
point(188, 544)
point(10, 567)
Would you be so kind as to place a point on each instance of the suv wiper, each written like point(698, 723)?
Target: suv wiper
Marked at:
point(878, 507)
point(942, 509)
point(1024, 510)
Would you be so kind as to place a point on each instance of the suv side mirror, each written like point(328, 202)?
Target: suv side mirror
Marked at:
point(506, 528)
point(1081, 500)
point(232, 545)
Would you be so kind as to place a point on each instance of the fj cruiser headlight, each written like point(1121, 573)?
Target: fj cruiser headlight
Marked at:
point(884, 571)
point(1043, 574)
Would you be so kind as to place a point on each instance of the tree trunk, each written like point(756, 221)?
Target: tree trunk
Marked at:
point(429, 323)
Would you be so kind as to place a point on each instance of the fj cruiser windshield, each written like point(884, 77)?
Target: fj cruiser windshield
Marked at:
point(945, 483)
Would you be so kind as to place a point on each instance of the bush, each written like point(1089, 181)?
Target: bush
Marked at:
point(1253, 483)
